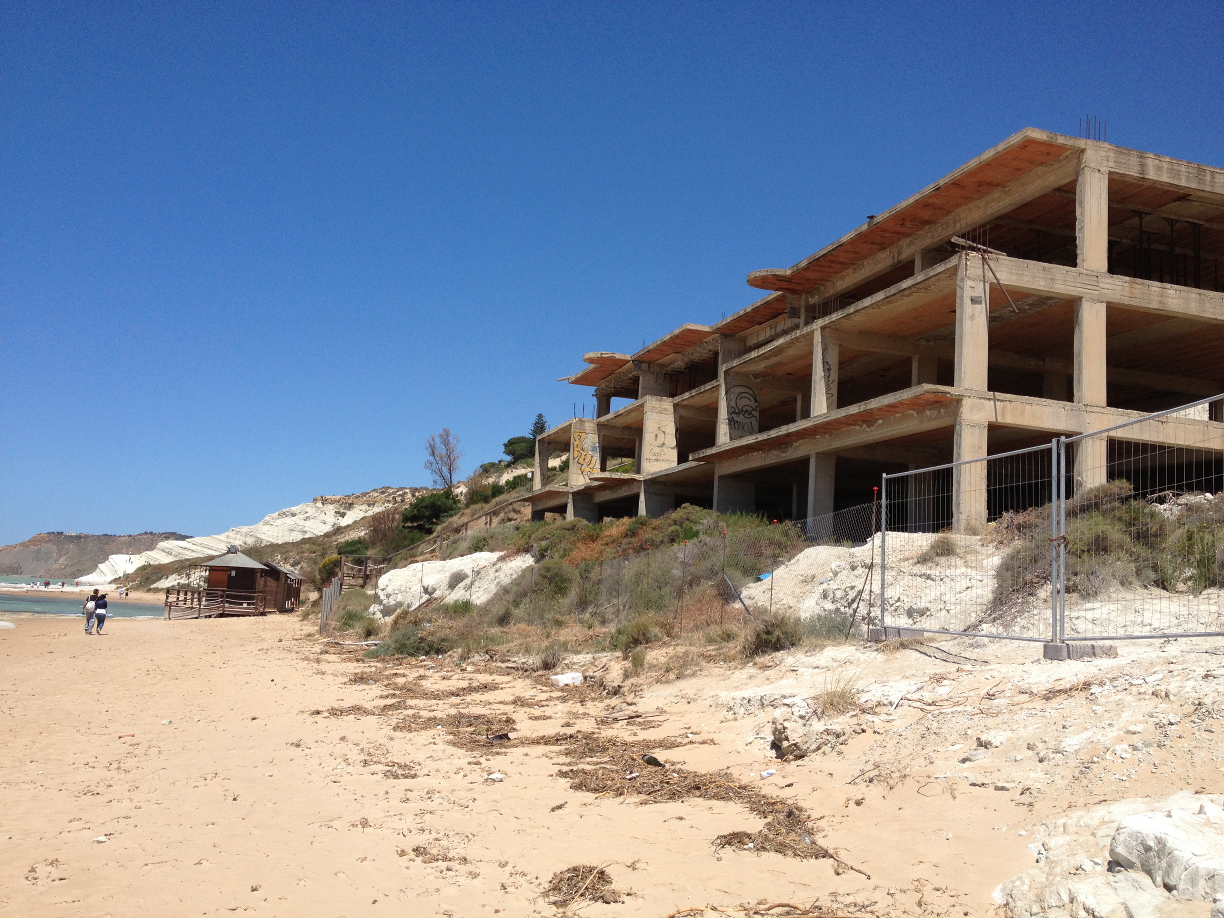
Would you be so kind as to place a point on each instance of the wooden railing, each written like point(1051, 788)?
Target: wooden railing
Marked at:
point(184, 603)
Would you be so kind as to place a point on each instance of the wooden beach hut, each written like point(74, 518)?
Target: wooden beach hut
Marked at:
point(236, 584)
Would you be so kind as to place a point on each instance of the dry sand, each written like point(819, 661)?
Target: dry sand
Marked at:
point(239, 766)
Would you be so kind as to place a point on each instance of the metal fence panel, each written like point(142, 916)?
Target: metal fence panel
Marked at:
point(1143, 548)
point(965, 546)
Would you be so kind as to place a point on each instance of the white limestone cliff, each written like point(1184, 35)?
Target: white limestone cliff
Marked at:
point(320, 516)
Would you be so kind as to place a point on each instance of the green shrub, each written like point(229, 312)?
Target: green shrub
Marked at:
point(827, 626)
point(362, 624)
point(637, 660)
point(553, 578)
point(428, 510)
point(772, 633)
point(353, 547)
point(410, 641)
point(328, 568)
point(636, 633)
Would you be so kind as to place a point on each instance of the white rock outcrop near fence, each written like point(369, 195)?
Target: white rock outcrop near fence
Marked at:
point(1124, 858)
point(835, 580)
point(1180, 852)
point(474, 578)
point(320, 516)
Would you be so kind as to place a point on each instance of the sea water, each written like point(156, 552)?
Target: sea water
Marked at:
point(69, 604)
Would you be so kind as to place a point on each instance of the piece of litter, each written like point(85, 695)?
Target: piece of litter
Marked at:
point(565, 679)
point(632, 775)
point(769, 773)
point(496, 776)
point(165, 723)
point(101, 838)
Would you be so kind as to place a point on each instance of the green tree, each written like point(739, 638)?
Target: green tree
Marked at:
point(428, 510)
point(519, 448)
point(538, 426)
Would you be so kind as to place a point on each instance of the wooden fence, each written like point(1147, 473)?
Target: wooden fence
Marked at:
point(186, 603)
point(331, 593)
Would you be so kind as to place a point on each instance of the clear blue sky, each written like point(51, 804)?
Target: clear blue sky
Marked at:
point(251, 253)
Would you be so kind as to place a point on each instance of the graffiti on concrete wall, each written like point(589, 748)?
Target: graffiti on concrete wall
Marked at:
point(830, 384)
point(659, 446)
point(585, 454)
point(743, 411)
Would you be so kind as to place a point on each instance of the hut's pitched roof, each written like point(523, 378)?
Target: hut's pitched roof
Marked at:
point(284, 570)
point(235, 559)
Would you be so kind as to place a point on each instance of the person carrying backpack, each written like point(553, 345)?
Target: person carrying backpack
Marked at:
point(89, 609)
point(100, 611)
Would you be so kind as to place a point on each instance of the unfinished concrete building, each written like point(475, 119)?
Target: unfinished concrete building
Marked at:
point(898, 346)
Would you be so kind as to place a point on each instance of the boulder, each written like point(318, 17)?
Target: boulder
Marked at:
point(1181, 852)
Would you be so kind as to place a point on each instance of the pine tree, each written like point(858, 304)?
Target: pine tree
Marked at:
point(538, 426)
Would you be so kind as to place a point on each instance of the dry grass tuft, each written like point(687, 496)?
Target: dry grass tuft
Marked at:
point(836, 697)
point(582, 881)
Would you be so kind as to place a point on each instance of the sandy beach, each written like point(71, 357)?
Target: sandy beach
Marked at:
point(214, 767)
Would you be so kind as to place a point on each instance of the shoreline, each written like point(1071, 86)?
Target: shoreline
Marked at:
point(144, 597)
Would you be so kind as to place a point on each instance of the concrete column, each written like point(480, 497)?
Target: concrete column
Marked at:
point(651, 380)
point(581, 507)
point(739, 408)
point(584, 451)
point(1089, 351)
point(603, 405)
point(734, 494)
point(822, 468)
point(924, 370)
point(1089, 385)
point(972, 330)
point(825, 359)
point(1092, 215)
point(654, 500)
point(729, 348)
point(969, 481)
point(540, 478)
point(1054, 384)
point(658, 435)
point(803, 405)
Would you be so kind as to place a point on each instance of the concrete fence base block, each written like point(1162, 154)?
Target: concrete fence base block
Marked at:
point(894, 634)
point(1077, 651)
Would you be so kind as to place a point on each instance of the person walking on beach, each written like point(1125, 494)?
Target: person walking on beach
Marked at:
point(100, 611)
point(90, 609)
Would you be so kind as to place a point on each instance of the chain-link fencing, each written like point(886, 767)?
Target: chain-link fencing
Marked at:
point(1113, 534)
point(1141, 527)
point(963, 546)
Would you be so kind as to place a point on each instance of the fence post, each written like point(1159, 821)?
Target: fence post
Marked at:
point(1062, 538)
point(1055, 485)
point(680, 592)
point(883, 546)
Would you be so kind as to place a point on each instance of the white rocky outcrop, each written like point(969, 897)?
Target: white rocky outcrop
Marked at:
point(1180, 852)
point(474, 578)
point(1124, 858)
point(320, 516)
